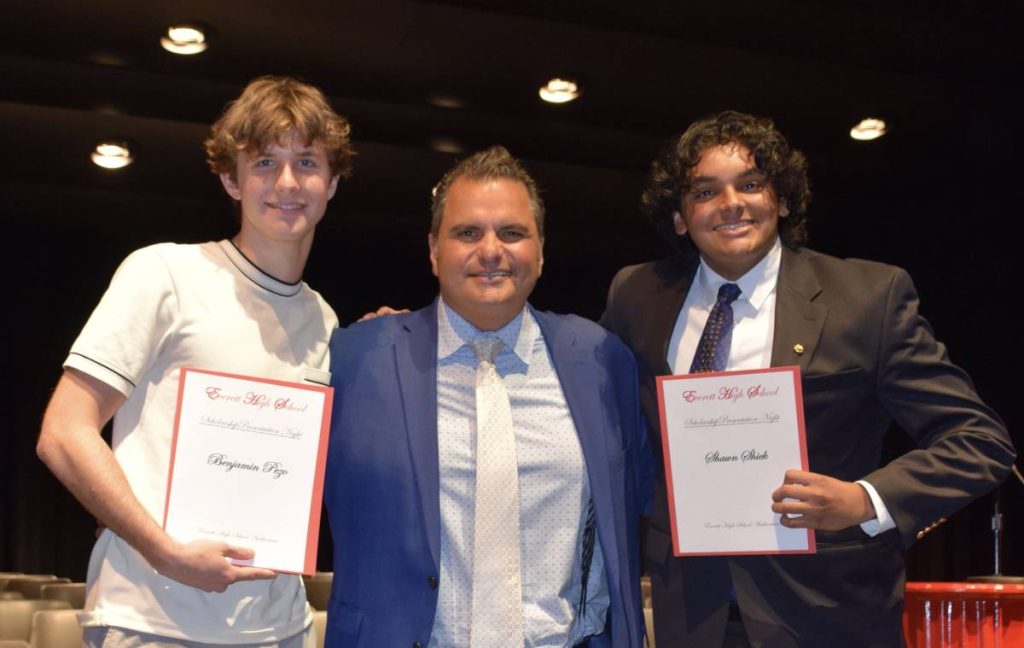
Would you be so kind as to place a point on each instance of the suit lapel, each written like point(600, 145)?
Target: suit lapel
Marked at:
point(661, 310)
point(416, 362)
point(581, 380)
point(799, 318)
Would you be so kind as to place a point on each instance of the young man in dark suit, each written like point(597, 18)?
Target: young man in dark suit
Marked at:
point(731, 197)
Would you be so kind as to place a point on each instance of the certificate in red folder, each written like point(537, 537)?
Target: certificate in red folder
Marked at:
point(728, 439)
point(247, 466)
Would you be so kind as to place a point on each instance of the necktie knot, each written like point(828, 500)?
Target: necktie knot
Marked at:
point(486, 349)
point(713, 348)
point(727, 293)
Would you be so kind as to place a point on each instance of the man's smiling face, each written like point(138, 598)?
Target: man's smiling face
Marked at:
point(487, 254)
point(731, 211)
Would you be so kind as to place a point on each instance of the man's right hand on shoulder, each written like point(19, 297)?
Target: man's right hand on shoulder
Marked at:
point(383, 310)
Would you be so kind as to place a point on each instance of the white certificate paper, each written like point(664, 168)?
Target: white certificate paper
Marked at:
point(247, 466)
point(728, 439)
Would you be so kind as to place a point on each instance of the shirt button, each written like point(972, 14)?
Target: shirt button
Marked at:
point(432, 581)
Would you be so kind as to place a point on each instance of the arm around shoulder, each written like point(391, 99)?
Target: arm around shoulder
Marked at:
point(610, 317)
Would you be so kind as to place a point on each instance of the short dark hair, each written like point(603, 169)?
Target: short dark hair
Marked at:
point(494, 163)
point(269, 109)
point(785, 167)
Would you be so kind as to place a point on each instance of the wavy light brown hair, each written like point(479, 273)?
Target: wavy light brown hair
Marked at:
point(670, 177)
point(268, 110)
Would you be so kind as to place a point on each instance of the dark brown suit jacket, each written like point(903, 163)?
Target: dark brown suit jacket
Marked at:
point(868, 358)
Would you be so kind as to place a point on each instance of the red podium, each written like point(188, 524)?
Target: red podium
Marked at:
point(964, 615)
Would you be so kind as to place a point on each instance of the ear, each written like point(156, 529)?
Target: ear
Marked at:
point(333, 187)
point(678, 223)
point(783, 209)
point(540, 265)
point(230, 186)
point(432, 243)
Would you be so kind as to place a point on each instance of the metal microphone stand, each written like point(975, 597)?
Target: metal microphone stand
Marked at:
point(997, 575)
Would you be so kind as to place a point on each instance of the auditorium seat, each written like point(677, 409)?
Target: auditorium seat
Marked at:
point(645, 594)
point(13, 643)
point(649, 622)
point(55, 629)
point(16, 616)
point(73, 593)
point(10, 596)
point(320, 626)
point(30, 585)
point(318, 589)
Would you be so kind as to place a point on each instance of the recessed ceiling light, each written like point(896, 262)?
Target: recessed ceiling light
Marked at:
point(110, 60)
point(559, 91)
point(184, 39)
point(446, 101)
point(868, 129)
point(446, 145)
point(112, 154)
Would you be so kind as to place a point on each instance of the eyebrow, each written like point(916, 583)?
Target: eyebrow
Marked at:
point(306, 151)
point(751, 171)
point(454, 227)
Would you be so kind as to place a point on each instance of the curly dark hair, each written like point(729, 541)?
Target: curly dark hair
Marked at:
point(785, 167)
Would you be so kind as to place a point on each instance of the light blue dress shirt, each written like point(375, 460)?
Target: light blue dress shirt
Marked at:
point(553, 487)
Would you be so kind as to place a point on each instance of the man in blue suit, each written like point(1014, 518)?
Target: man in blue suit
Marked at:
point(488, 463)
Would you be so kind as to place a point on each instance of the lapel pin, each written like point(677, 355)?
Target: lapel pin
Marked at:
point(798, 349)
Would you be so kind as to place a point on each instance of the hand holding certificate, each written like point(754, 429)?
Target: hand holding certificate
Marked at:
point(729, 438)
point(247, 466)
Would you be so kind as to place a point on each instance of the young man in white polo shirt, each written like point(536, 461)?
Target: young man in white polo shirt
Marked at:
point(236, 306)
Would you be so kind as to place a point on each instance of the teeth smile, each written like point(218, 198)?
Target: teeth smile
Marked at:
point(496, 273)
point(732, 226)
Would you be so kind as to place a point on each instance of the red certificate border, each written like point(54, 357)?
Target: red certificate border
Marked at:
point(315, 507)
point(669, 484)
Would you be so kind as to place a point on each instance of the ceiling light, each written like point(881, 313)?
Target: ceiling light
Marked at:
point(445, 145)
point(110, 60)
point(446, 101)
point(559, 91)
point(184, 39)
point(111, 154)
point(868, 129)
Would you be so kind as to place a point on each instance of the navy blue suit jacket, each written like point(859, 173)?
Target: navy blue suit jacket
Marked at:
point(382, 484)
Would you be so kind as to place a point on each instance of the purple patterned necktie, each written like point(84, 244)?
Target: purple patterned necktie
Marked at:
point(713, 348)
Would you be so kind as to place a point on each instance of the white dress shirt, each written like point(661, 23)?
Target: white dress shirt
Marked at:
point(553, 485)
point(752, 336)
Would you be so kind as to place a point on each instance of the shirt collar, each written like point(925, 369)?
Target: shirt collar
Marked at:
point(756, 285)
point(454, 334)
point(253, 273)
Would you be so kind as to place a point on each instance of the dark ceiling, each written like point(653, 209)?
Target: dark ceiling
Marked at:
point(420, 78)
point(78, 71)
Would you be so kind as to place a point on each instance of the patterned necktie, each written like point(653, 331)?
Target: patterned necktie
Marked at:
point(713, 348)
point(497, 614)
